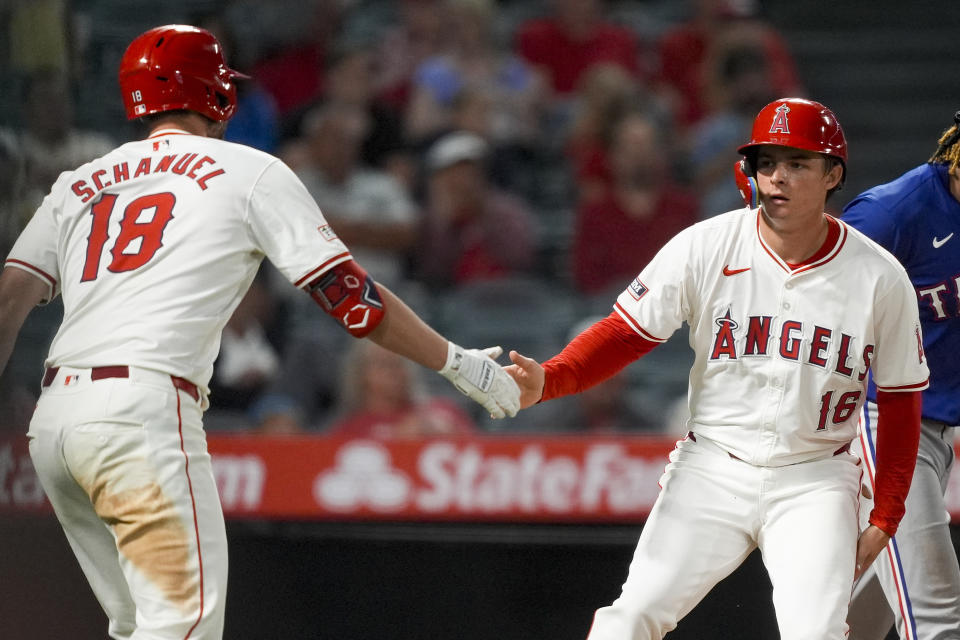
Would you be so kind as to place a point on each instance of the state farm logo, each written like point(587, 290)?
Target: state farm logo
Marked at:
point(363, 477)
point(240, 481)
point(451, 476)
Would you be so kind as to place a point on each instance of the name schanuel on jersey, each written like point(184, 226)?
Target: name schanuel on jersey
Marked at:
point(790, 339)
point(200, 169)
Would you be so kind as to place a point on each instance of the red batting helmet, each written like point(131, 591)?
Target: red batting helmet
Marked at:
point(177, 67)
point(797, 123)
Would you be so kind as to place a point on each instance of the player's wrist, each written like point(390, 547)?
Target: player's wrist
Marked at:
point(887, 525)
point(453, 361)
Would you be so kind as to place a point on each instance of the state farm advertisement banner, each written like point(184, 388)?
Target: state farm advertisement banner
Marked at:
point(516, 479)
point(478, 479)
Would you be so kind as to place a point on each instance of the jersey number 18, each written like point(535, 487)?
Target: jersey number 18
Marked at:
point(127, 255)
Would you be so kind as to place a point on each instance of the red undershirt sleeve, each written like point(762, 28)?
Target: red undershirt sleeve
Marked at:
point(598, 353)
point(898, 437)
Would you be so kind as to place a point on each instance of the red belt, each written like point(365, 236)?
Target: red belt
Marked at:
point(842, 449)
point(123, 371)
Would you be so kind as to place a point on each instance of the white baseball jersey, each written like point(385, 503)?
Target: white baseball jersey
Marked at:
point(154, 244)
point(781, 355)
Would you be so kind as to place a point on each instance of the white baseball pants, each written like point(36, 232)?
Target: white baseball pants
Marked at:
point(712, 511)
point(124, 463)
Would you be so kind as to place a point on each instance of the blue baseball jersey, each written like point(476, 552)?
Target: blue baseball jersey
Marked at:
point(917, 219)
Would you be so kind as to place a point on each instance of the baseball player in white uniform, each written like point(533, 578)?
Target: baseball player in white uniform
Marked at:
point(152, 246)
point(788, 310)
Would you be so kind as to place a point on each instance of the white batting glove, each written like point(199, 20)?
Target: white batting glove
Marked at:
point(474, 372)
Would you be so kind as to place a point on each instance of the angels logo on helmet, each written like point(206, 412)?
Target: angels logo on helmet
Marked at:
point(780, 122)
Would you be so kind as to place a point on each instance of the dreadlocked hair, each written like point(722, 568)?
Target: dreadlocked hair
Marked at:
point(948, 152)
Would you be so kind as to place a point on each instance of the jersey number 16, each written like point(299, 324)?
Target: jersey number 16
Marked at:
point(846, 405)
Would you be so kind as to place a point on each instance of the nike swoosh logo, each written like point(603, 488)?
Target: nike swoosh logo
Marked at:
point(937, 242)
point(727, 271)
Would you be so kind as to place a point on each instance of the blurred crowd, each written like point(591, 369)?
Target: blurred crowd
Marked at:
point(506, 166)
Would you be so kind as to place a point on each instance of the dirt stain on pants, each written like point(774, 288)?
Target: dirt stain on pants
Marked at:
point(151, 535)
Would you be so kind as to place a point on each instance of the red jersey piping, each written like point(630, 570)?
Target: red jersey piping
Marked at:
point(26, 266)
point(836, 238)
point(919, 386)
point(323, 267)
point(633, 324)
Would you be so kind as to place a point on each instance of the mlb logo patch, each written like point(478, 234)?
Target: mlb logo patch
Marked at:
point(637, 289)
point(327, 232)
point(69, 380)
point(139, 109)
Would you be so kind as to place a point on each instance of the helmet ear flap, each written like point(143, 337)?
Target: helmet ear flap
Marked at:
point(744, 174)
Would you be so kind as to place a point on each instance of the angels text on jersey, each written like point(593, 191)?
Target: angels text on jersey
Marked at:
point(791, 340)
